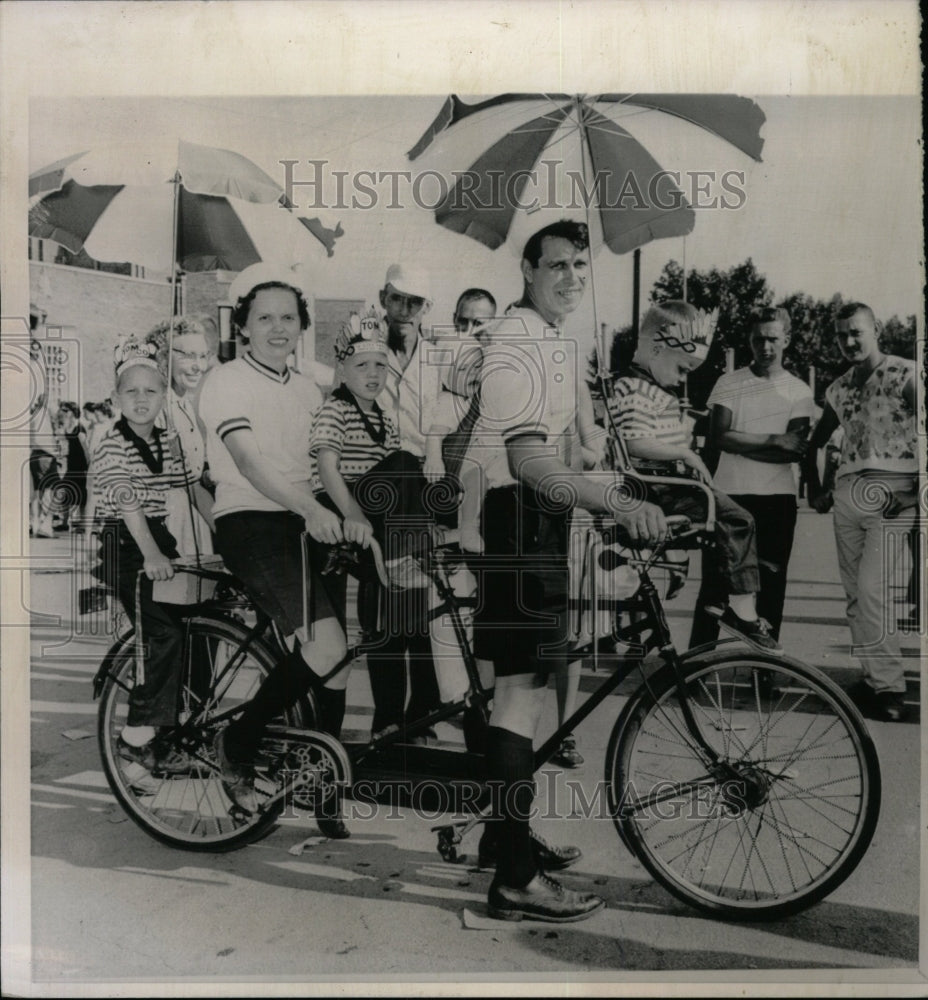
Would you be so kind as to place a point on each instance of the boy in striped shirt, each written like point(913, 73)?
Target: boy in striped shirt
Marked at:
point(133, 469)
point(356, 449)
point(674, 340)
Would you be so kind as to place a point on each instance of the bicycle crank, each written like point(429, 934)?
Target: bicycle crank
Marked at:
point(309, 766)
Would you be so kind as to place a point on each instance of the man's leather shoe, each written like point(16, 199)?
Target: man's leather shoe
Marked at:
point(542, 899)
point(883, 706)
point(548, 857)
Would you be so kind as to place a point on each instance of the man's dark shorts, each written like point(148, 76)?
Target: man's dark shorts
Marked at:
point(522, 620)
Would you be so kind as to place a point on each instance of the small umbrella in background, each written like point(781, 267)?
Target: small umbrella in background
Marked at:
point(169, 205)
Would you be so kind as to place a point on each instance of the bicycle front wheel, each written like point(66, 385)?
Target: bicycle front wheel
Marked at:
point(191, 809)
point(784, 814)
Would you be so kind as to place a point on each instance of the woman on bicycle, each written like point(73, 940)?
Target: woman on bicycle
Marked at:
point(258, 414)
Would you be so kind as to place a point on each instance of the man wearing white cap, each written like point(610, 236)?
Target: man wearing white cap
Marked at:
point(409, 397)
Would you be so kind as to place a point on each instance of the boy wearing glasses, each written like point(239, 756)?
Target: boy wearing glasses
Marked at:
point(674, 341)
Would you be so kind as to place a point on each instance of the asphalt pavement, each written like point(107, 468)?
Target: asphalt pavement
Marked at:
point(108, 903)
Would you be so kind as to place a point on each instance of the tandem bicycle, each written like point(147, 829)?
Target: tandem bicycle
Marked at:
point(746, 783)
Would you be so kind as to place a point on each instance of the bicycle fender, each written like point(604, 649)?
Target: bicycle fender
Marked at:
point(103, 672)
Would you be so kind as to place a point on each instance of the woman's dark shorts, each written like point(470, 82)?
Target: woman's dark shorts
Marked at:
point(264, 550)
point(522, 619)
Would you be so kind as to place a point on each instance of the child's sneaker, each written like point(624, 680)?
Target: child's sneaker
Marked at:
point(757, 632)
point(155, 756)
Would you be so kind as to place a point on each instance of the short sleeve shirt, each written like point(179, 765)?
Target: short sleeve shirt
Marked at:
point(122, 480)
point(339, 427)
point(278, 409)
point(879, 425)
point(528, 387)
point(759, 406)
point(642, 410)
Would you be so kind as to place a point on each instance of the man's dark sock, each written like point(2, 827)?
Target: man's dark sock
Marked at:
point(510, 769)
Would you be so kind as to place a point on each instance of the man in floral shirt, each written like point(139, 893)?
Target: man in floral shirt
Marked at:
point(874, 498)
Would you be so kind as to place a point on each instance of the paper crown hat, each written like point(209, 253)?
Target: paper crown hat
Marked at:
point(690, 333)
point(361, 335)
point(131, 352)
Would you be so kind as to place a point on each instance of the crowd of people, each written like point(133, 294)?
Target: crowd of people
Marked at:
point(250, 455)
point(59, 463)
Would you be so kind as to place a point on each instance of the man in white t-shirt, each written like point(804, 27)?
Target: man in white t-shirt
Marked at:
point(760, 419)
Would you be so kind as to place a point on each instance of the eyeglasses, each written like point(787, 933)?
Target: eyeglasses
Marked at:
point(475, 327)
point(413, 302)
point(189, 356)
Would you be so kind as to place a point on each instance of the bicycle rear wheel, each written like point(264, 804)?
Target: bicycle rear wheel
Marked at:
point(785, 815)
point(190, 810)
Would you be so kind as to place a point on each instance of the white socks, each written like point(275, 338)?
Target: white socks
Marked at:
point(138, 736)
point(743, 606)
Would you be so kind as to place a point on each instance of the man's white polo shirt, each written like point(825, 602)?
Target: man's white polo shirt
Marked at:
point(277, 408)
point(528, 386)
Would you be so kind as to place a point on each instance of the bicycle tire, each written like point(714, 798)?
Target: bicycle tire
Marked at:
point(190, 811)
point(765, 847)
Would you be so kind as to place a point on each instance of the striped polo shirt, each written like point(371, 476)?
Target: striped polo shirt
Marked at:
point(277, 407)
point(642, 410)
point(339, 427)
point(123, 482)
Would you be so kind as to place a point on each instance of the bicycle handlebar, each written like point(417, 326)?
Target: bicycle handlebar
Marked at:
point(343, 555)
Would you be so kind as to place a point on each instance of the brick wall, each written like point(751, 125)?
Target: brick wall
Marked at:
point(95, 309)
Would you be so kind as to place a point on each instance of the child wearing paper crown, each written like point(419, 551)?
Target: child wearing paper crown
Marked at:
point(379, 489)
point(356, 446)
point(674, 341)
point(133, 470)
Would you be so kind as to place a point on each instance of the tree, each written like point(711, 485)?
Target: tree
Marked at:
point(898, 338)
point(812, 340)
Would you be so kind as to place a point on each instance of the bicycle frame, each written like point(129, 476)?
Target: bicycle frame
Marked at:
point(646, 604)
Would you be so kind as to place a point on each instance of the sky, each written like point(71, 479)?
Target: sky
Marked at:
point(834, 206)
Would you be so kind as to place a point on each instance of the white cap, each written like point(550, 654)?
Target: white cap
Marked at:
point(409, 280)
point(263, 273)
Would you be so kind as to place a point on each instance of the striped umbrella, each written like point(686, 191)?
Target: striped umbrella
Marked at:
point(518, 155)
point(166, 204)
point(509, 165)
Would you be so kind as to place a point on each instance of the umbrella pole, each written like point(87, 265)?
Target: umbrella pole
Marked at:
point(599, 336)
point(169, 416)
point(620, 461)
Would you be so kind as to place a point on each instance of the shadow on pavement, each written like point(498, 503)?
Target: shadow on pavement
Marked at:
point(375, 866)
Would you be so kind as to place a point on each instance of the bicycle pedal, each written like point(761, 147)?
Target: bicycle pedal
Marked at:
point(450, 827)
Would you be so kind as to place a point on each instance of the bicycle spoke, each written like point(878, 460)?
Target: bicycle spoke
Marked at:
point(784, 814)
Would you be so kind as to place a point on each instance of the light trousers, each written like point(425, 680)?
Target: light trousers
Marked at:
point(872, 550)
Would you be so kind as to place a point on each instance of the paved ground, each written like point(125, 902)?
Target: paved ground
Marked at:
point(110, 903)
